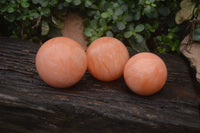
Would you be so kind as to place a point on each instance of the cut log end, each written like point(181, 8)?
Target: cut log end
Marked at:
point(73, 28)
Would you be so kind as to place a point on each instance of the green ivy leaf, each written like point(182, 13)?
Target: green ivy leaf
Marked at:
point(159, 38)
point(105, 5)
point(25, 4)
point(88, 32)
point(147, 9)
point(148, 26)
point(36, 15)
point(93, 38)
point(141, 2)
point(115, 29)
point(60, 6)
point(170, 35)
point(174, 30)
point(161, 50)
point(152, 1)
point(147, 2)
point(139, 28)
point(43, 3)
point(124, 7)
point(139, 38)
point(175, 45)
point(69, 1)
point(94, 7)
point(36, 1)
point(65, 4)
point(120, 1)
point(115, 17)
point(128, 34)
point(121, 25)
point(115, 5)
point(10, 18)
point(100, 32)
point(128, 18)
point(45, 28)
point(105, 14)
point(131, 27)
point(153, 13)
point(103, 23)
point(154, 5)
point(47, 11)
point(76, 2)
point(109, 33)
point(54, 2)
point(138, 47)
point(118, 12)
point(3, 9)
point(10, 9)
point(88, 3)
point(94, 23)
point(164, 11)
point(137, 16)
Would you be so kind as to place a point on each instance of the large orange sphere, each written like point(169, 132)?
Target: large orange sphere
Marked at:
point(61, 62)
point(145, 73)
point(106, 58)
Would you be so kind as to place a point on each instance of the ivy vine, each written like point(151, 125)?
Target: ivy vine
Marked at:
point(133, 22)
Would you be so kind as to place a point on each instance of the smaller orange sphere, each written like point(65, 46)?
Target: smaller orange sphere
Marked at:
point(106, 58)
point(61, 62)
point(145, 73)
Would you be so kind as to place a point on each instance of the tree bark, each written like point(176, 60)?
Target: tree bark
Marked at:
point(29, 105)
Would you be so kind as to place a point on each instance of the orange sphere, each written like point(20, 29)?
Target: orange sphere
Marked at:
point(61, 62)
point(106, 58)
point(145, 73)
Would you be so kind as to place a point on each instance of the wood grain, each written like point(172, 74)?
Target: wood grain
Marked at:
point(29, 105)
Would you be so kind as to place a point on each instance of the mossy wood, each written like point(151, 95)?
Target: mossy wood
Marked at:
point(29, 105)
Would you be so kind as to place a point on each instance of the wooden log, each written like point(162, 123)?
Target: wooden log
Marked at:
point(29, 105)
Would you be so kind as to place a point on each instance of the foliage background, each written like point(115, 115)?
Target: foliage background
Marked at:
point(138, 23)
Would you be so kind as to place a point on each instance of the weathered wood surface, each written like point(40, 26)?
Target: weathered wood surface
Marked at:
point(28, 105)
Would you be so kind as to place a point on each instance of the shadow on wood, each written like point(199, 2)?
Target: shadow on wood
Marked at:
point(28, 105)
